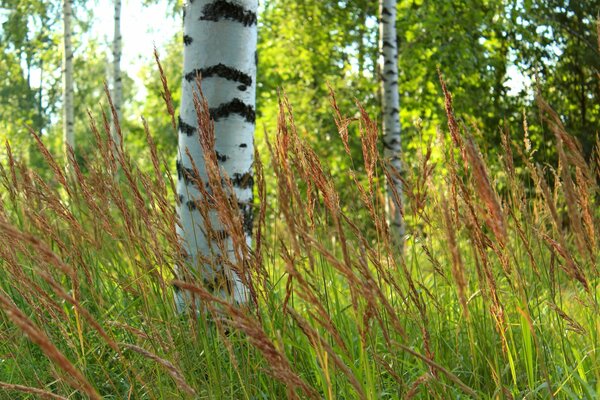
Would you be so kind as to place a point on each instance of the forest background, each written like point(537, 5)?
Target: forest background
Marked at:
point(495, 296)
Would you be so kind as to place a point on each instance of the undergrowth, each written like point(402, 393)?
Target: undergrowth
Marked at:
point(495, 296)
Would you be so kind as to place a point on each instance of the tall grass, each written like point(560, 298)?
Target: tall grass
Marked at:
point(495, 297)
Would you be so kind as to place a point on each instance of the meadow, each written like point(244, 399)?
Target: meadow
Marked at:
point(494, 295)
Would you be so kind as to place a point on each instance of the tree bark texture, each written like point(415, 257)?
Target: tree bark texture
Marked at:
point(117, 94)
point(388, 68)
point(68, 119)
point(220, 46)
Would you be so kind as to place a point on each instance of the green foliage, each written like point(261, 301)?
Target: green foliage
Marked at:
point(27, 49)
point(152, 105)
point(556, 41)
point(336, 46)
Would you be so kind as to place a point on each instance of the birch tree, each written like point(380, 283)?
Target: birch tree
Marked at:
point(117, 95)
point(388, 68)
point(68, 110)
point(220, 46)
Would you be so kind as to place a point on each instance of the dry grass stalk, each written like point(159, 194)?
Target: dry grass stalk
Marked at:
point(486, 275)
point(261, 189)
point(585, 202)
point(155, 159)
point(278, 362)
point(433, 365)
point(341, 123)
point(51, 162)
point(14, 186)
point(508, 158)
point(42, 250)
point(318, 341)
point(104, 148)
point(452, 123)
point(414, 389)
point(472, 157)
point(116, 124)
point(167, 365)
point(496, 219)
point(37, 336)
point(417, 189)
point(166, 95)
point(457, 264)
point(571, 268)
point(369, 136)
point(571, 323)
point(572, 201)
point(31, 390)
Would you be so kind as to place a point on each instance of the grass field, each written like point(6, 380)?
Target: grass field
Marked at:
point(494, 297)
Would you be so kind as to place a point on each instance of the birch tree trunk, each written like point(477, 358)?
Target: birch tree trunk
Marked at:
point(117, 94)
point(388, 67)
point(68, 120)
point(220, 46)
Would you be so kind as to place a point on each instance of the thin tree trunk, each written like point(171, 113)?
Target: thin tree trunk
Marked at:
point(117, 95)
point(388, 67)
point(68, 122)
point(220, 46)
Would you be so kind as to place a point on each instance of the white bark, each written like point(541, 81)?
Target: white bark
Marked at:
point(388, 67)
point(68, 120)
point(220, 44)
point(117, 86)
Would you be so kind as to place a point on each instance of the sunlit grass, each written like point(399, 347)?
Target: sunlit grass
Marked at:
point(494, 297)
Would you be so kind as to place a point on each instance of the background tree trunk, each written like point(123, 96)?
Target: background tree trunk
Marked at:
point(388, 67)
point(117, 94)
point(68, 119)
point(220, 45)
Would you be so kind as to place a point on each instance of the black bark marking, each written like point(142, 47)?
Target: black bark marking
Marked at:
point(255, 58)
point(247, 212)
point(218, 281)
point(187, 40)
point(188, 129)
point(235, 106)
point(221, 157)
point(179, 168)
point(242, 88)
point(187, 174)
point(242, 181)
point(222, 9)
point(391, 144)
point(385, 11)
point(243, 145)
point(191, 205)
point(387, 44)
point(394, 111)
point(220, 235)
point(222, 71)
